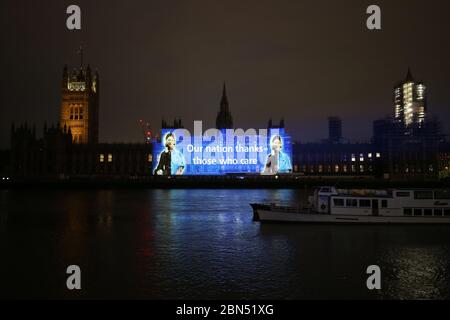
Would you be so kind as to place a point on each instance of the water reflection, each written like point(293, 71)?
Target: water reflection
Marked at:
point(194, 243)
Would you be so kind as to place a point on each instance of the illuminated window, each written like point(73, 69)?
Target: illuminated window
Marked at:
point(149, 157)
point(361, 157)
point(353, 157)
point(369, 155)
point(102, 157)
point(109, 157)
point(378, 155)
point(336, 168)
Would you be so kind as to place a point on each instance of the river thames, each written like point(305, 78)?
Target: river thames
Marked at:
point(203, 244)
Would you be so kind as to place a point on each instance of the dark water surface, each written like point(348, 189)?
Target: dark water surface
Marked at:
point(197, 244)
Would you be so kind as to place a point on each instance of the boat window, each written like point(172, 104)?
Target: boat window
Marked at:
point(384, 203)
point(442, 194)
point(427, 212)
point(364, 203)
point(407, 211)
point(351, 203)
point(438, 212)
point(446, 212)
point(338, 202)
point(417, 212)
point(423, 194)
point(402, 194)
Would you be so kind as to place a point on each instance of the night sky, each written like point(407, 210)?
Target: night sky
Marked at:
point(301, 60)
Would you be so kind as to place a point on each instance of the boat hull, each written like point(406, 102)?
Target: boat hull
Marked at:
point(275, 216)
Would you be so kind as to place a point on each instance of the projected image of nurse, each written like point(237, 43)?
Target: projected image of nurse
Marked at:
point(171, 160)
point(277, 161)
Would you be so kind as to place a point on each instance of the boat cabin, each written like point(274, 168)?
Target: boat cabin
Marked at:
point(388, 202)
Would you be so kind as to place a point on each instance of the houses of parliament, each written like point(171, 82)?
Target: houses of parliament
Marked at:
point(407, 146)
point(71, 147)
point(80, 91)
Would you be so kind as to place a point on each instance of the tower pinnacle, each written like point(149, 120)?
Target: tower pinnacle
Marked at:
point(224, 120)
point(409, 77)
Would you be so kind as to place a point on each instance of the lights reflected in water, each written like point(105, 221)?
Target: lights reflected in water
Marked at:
point(194, 243)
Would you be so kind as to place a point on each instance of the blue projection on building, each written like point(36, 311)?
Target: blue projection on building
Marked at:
point(226, 151)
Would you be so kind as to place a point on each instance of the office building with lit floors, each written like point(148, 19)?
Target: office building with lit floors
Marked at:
point(410, 141)
point(410, 102)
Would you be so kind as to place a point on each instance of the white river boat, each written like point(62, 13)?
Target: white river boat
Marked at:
point(364, 206)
